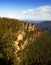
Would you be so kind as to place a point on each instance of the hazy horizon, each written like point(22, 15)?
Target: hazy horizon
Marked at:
point(38, 10)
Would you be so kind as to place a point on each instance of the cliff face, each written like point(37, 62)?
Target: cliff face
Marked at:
point(15, 37)
point(26, 35)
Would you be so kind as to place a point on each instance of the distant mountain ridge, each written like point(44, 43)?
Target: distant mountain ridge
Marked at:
point(44, 25)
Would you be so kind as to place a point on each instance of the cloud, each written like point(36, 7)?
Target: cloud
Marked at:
point(24, 12)
point(42, 12)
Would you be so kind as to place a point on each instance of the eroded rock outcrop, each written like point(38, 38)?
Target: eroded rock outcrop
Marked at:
point(25, 36)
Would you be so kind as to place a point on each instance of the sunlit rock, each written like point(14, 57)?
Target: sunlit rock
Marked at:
point(24, 45)
point(20, 37)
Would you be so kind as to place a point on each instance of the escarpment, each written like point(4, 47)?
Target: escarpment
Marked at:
point(15, 36)
point(25, 36)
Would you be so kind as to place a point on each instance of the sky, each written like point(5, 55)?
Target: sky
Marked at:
point(26, 9)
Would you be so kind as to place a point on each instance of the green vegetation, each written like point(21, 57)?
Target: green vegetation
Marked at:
point(1, 55)
point(8, 28)
point(39, 52)
point(36, 52)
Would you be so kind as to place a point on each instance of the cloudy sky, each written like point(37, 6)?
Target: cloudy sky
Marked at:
point(26, 9)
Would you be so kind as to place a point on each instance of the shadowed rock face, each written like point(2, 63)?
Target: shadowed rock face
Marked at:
point(25, 35)
point(29, 31)
point(29, 26)
point(4, 62)
point(16, 36)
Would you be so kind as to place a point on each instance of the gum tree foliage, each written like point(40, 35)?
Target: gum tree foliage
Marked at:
point(36, 53)
point(39, 52)
point(7, 37)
